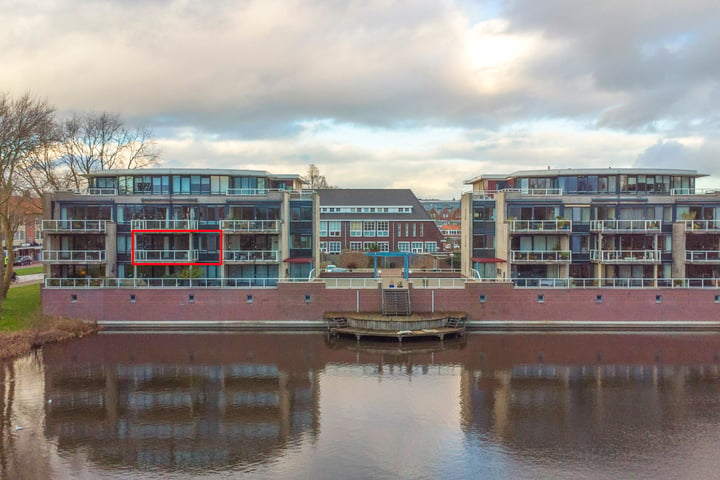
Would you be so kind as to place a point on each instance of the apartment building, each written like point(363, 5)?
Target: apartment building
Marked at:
point(647, 227)
point(384, 220)
point(231, 227)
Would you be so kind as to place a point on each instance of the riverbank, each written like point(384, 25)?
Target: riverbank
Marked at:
point(23, 327)
point(48, 330)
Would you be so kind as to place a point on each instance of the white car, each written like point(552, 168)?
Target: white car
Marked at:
point(333, 268)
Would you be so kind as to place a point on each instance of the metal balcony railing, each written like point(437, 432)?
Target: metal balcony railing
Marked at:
point(166, 256)
point(260, 226)
point(694, 191)
point(625, 256)
point(240, 256)
point(163, 224)
point(702, 256)
point(74, 226)
point(540, 256)
point(539, 226)
point(626, 226)
point(74, 256)
point(702, 226)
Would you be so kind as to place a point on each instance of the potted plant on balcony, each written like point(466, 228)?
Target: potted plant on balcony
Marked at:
point(563, 222)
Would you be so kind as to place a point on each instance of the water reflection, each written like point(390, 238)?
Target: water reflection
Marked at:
point(305, 406)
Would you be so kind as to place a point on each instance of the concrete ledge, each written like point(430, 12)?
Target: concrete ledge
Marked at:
point(210, 325)
point(550, 325)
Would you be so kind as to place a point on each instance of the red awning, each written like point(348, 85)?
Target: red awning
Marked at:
point(298, 260)
point(489, 260)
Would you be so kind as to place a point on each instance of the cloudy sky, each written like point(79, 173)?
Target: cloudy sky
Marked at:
point(419, 94)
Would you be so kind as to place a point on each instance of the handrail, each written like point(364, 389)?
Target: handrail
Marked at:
point(250, 225)
point(702, 256)
point(616, 282)
point(702, 225)
point(540, 256)
point(251, 255)
point(166, 255)
point(540, 225)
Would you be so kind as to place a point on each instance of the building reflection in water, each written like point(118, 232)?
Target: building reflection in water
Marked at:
point(217, 401)
point(181, 401)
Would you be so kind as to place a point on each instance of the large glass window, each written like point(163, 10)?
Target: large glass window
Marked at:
point(356, 229)
point(369, 229)
point(383, 229)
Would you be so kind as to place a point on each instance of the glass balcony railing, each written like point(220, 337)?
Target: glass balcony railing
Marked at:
point(241, 256)
point(74, 226)
point(626, 226)
point(539, 226)
point(625, 256)
point(702, 256)
point(260, 226)
point(166, 256)
point(74, 256)
point(540, 256)
point(163, 224)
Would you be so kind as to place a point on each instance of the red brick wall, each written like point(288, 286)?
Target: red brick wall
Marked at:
point(287, 302)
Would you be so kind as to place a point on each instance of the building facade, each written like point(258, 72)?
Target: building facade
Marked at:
point(542, 227)
point(234, 227)
point(384, 220)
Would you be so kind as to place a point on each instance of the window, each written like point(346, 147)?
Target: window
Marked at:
point(369, 229)
point(431, 246)
point(370, 246)
point(356, 229)
point(334, 247)
point(414, 230)
point(324, 247)
point(383, 246)
point(383, 229)
point(334, 228)
point(403, 246)
point(417, 247)
point(356, 246)
point(323, 229)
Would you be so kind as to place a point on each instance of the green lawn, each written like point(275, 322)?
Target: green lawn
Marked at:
point(29, 270)
point(19, 306)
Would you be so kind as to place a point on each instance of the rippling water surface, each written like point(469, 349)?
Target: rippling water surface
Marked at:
point(279, 405)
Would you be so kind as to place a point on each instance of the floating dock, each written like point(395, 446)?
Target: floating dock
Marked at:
point(359, 325)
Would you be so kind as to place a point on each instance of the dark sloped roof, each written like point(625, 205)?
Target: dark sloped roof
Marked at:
point(372, 197)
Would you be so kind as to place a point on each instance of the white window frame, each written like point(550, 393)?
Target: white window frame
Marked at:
point(334, 228)
point(416, 247)
point(383, 228)
point(403, 247)
point(334, 247)
point(369, 229)
point(356, 246)
point(431, 247)
point(354, 232)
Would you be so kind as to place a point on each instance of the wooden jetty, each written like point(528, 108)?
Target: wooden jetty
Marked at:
point(414, 325)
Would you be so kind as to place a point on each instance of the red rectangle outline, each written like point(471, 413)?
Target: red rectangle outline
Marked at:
point(199, 264)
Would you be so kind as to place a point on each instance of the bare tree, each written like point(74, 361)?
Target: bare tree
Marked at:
point(313, 180)
point(99, 141)
point(26, 127)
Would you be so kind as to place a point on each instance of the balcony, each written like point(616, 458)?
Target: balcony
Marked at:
point(244, 256)
point(702, 226)
point(626, 226)
point(74, 226)
point(694, 191)
point(702, 256)
point(164, 224)
point(540, 226)
point(74, 256)
point(625, 256)
point(250, 226)
point(166, 256)
point(540, 256)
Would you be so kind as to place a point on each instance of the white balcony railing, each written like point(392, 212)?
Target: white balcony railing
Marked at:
point(625, 256)
point(240, 256)
point(694, 191)
point(164, 224)
point(101, 191)
point(74, 256)
point(540, 256)
point(539, 226)
point(166, 256)
point(702, 256)
point(271, 226)
point(616, 282)
point(702, 226)
point(74, 226)
point(626, 226)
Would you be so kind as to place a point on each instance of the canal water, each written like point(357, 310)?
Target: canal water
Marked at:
point(300, 406)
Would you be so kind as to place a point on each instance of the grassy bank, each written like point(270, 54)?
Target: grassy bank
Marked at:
point(24, 327)
point(29, 270)
point(21, 304)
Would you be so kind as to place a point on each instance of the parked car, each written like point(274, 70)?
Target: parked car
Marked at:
point(333, 268)
point(24, 260)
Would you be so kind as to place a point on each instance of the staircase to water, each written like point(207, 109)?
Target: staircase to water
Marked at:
point(396, 301)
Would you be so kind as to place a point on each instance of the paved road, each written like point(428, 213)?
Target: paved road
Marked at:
point(32, 278)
